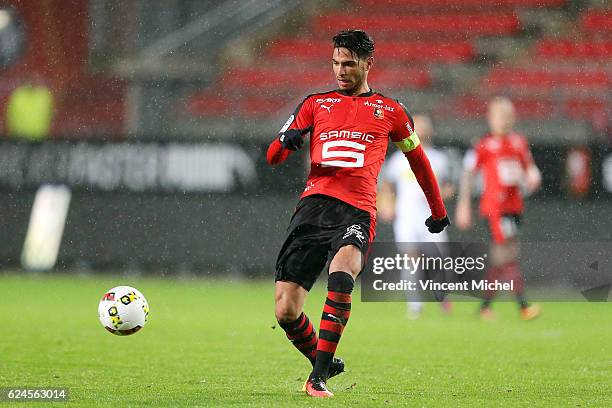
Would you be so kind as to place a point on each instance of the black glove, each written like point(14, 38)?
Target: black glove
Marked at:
point(292, 138)
point(436, 226)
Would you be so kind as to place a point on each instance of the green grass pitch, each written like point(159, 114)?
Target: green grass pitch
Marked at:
point(212, 343)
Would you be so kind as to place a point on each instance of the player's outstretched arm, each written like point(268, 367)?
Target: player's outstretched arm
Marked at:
point(421, 167)
point(288, 141)
point(276, 154)
point(407, 140)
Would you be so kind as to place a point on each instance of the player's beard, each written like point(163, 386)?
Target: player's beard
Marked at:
point(351, 86)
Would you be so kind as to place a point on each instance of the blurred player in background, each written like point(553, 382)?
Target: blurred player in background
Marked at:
point(507, 167)
point(398, 185)
point(334, 221)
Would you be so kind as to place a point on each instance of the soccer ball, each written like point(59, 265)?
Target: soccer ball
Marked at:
point(123, 310)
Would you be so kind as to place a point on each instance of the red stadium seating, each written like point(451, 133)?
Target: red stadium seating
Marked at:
point(597, 22)
point(257, 107)
point(406, 77)
point(415, 35)
point(449, 24)
point(475, 107)
point(207, 103)
point(462, 4)
point(423, 51)
point(542, 79)
point(534, 108)
point(256, 86)
point(255, 79)
point(500, 79)
point(400, 52)
point(91, 106)
point(574, 50)
point(596, 111)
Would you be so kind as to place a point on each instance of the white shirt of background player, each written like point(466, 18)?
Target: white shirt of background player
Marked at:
point(401, 199)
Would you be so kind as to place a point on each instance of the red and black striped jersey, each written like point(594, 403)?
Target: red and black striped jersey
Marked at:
point(348, 142)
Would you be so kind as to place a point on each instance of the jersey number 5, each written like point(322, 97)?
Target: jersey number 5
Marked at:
point(340, 154)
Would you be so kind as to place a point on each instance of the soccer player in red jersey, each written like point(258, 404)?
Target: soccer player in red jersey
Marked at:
point(335, 219)
point(504, 159)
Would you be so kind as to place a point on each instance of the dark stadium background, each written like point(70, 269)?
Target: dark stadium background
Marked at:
point(164, 109)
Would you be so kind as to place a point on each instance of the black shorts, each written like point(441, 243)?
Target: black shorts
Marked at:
point(320, 226)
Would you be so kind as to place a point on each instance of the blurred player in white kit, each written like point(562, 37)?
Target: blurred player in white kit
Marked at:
point(398, 186)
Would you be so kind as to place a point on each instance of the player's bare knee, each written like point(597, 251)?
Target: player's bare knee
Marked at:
point(347, 259)
point(289, 301)
point(285, 308)
point(286, 312)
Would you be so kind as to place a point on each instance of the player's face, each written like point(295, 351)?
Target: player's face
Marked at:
point(501, 118)
point(351, 72)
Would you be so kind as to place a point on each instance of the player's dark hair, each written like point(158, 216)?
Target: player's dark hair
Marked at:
point(357, 42)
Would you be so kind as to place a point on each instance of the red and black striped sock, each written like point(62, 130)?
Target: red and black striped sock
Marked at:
point(335, 315)
point(303, 335)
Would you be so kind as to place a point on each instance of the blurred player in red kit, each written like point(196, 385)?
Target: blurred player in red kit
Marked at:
point(504, 159)
point(334, 221)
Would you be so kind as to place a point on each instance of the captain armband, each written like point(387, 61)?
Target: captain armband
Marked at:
point(408, 144)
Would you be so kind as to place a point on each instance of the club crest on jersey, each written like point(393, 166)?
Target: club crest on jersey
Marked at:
point(379, 113)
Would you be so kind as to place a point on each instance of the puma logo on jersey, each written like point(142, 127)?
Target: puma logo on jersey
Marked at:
point(327, 107)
